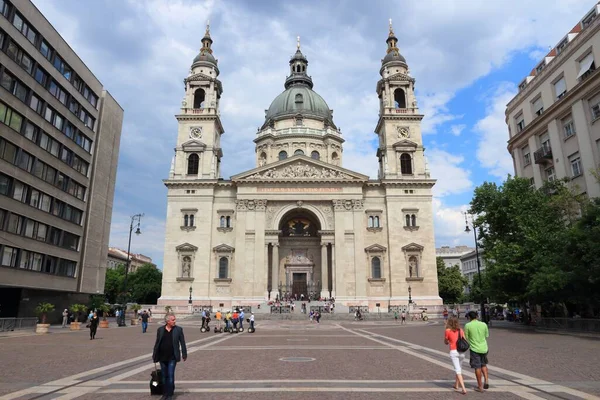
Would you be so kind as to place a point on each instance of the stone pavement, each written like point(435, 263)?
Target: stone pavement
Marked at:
point(297, 360)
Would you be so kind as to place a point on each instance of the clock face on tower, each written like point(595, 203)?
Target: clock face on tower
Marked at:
point(195, 132)
point(403, 131)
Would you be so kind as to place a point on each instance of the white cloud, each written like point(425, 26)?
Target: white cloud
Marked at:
point(449, 224)
point(456, 130)
point(451, 177)
point(493, 132)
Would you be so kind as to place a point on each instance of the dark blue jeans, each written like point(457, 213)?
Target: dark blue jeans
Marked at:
point(168, 376)
point(144, 326)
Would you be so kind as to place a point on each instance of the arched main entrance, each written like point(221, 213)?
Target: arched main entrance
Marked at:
point(299, 257)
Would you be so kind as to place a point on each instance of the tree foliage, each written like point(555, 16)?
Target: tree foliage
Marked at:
point(536, 246)
point(451, 282)
point(143, 285)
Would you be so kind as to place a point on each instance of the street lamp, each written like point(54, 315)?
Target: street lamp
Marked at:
point(134, 218)
point(409, 296)
point(467, 229)
point(190, 300)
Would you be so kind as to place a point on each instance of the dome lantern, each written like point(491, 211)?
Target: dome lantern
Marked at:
point(393, 53)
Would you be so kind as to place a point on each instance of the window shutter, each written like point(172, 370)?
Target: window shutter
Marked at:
point(560, 87)
point(585, 64)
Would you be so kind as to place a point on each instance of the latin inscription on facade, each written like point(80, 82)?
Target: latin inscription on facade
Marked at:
point(300, 190)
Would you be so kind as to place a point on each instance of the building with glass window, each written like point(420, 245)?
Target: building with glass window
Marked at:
point(554, 120)
point(299, 223)
point(59, 142)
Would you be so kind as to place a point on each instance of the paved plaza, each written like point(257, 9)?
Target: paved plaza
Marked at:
point(297, 360)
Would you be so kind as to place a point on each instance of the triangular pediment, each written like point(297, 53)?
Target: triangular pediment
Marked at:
point(412, 247)
point(199, 77)
point(223, 248)
point(400, 77)
point(405, 143)
point(375, 248)
point(193, 144)
point(299, 168)
point(186, 247)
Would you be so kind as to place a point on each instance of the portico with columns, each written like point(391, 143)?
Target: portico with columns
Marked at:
point(299, 223)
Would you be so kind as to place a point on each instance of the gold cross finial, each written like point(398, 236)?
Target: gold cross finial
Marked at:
point(298, 42)
point(208, 26)
point(391, 29)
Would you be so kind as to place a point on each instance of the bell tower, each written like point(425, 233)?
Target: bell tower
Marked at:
point(400, 152)
point(198, 153)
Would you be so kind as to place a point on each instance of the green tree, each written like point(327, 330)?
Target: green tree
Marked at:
point(451, 282)
point(113, 285)
point(145, 284)
point(522, 232)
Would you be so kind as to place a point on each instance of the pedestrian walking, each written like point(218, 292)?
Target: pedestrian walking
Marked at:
point(169, 349)
point(65, 315)
point(252, 321)
point(396, 315)
point(477, 333)
point(403, 317)
point(93, 325)
point(241, 316)
point(452, 334)
point(144, 318)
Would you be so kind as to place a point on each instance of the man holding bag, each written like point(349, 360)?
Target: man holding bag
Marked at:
point(167, 351)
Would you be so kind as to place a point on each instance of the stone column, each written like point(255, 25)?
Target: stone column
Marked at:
point(275, 272)
point(324, 272)
point(267, 271)
point(333, 277)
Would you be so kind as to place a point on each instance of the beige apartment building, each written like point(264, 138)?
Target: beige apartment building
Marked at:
point(59, 143)
point(554, 120)
point(117, 257)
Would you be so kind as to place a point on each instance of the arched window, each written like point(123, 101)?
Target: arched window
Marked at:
point(223, 222)
point(335, 158)
point(262, 160)
point(370, 223)
point(375, 268)
point(407, 220)
point(315, 155)
point(193, 164)
point(282, 155)
point(413, 220)
point(405, 164)
point(192, 220)
point(298, 153)
point(228, 222)
point(376, 222)
point(223, 267)
point(299, 98)
point(298, 68)
point(199, 96)
point(399, 98)
point(185, 220)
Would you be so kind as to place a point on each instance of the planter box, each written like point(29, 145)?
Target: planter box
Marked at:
point(134, 321)
point(75, 326)
point(42, 328)
point(104, 324)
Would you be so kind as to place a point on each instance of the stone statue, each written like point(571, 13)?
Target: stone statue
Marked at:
point(412, 267)
point(186, 267)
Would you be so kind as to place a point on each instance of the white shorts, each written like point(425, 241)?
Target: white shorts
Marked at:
point(457, 360)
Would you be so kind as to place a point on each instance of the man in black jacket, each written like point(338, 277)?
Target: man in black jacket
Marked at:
point(166, 351)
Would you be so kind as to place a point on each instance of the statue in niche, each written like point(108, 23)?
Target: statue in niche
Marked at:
point(186, 267)
point(412, 266)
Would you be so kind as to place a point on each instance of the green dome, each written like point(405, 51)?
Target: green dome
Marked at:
point(299, 99)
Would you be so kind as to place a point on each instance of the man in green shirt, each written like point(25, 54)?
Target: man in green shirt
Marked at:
point(476, 333)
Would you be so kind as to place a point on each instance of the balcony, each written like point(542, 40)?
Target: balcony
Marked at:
point(543, 155)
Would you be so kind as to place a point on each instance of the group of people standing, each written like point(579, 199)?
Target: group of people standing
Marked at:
point(475, 333)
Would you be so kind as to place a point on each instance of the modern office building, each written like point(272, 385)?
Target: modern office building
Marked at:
point(59, 142)
point(554, 120)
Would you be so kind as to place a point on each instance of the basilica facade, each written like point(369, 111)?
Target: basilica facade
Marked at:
point(299, 223)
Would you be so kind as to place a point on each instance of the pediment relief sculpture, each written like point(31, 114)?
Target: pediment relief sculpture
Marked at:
point(300, 170)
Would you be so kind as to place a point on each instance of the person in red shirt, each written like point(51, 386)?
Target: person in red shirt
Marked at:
point(453, 332)
point(235, 319)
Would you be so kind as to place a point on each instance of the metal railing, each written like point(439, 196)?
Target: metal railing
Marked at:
point(12, 324)
point(569, 324)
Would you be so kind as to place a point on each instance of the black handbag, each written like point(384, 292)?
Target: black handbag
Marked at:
point(156, 384)
point(462, 344)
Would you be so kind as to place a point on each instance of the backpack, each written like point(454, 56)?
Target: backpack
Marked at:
point(462, 344)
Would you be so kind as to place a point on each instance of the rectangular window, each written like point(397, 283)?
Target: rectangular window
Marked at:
point(66, 155)
point(588, 19)
point(31, 132)
point(538, 106)
point(34, 198)
point(526, 156)
point(61, 181)
point(586, 66)
point(70, 241)
point(20, 192)
point(4, 186)
point(36, 262)
point(575, 161)
point(560, 88)
point(561, 46)
point(9, 256)
point(42, 232)
point(568, 127)
point(25, 161)
point(8, 151)
point(7, 82)
point(15, 224)
point(550, 176)
point(54, 237)
point(36, 104)
point(520, 123)
point(18, 22)
point(545, 140)
point(45, 202)
point(73, 106)
point(3, 8)
point(29, 229)
point(26, 63)
point(25, 256)
point(57, 208)
point(46, 50)
point(48, 114)
point(540, 67)
point(3, 214)
point(40, 76)
point(69, 130)
point(49, 265)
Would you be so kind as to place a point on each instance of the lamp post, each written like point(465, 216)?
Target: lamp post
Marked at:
point(190, 300)
point(134, 218)
point(467, 229)
point(409, 296)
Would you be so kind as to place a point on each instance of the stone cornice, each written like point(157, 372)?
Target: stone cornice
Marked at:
point(397, 117)
point(424, 183)
point(276, 138)
point(202, 117)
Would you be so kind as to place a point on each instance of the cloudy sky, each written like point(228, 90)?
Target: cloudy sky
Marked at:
point(467, 58)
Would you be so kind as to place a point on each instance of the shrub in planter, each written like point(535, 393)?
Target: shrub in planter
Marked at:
point(135, 307)
point(78, 310)
point(42, 310)
point(105, 308)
